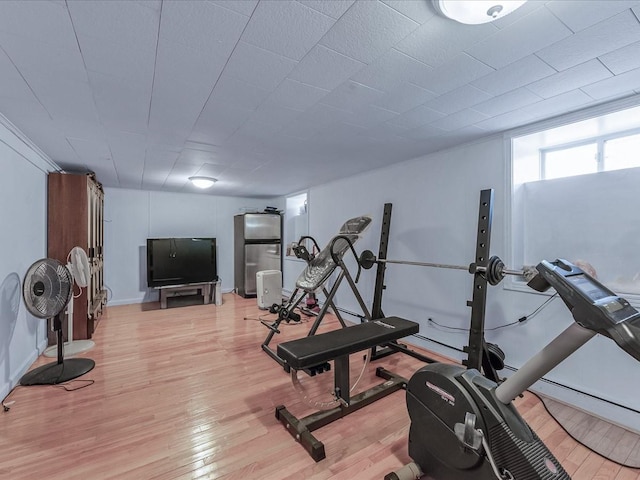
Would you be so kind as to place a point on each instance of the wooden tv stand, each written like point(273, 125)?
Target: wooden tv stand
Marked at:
point(204, 288)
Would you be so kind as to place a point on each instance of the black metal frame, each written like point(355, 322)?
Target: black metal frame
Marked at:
point(298, 295)
point(477, 351)
point(300, 429)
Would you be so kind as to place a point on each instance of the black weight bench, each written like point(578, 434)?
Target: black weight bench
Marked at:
point(311, 353)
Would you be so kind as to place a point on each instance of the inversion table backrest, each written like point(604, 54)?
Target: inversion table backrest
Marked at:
point(310, 351)
point(322, 266)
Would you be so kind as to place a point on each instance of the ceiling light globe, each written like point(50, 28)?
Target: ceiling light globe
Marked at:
point(203, 182)
point(474, 12)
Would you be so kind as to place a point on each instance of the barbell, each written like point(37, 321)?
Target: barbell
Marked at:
point(494, 272)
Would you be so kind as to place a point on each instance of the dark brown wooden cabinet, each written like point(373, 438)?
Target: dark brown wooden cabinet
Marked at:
point(75, 218)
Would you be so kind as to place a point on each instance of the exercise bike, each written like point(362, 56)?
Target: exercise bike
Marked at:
point(464, 426)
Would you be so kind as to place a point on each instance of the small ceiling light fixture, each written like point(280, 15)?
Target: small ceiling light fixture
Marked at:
point(474, 12)
point(203, 182)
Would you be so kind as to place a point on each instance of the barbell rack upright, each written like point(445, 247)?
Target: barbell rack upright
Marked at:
point(476, 357)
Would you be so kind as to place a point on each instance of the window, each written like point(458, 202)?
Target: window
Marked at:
point(623, 152)
point(569, 161)
point(599, 154)
point(573, 196)
point(296, 220)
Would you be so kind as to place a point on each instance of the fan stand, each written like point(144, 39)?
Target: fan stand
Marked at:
point(62, 370)
point(71, 347)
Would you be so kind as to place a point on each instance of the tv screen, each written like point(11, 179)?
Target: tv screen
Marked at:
point(178, 261)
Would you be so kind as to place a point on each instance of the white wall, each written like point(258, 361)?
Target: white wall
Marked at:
point(132, 216)
point(23, 241)
point(435, 209)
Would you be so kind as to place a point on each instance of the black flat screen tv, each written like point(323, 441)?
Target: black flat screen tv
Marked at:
point(179, 261)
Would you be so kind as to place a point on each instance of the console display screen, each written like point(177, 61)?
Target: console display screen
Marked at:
point(588, 287)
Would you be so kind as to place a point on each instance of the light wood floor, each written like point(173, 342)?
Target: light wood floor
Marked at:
point(187, 393)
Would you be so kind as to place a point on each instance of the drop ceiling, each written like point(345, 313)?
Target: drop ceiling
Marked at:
point(271, 97)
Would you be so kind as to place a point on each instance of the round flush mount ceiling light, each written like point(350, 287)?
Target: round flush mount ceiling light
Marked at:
point(203, 182)
point(474, 12)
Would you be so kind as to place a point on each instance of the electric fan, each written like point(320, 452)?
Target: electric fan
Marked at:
point(78, 265)
point(47, 289)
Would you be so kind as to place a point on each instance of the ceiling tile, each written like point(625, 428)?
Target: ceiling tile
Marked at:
point(522, 38)
point(422, 132)
point(245, 7)
point(370, 115)
point(324, 115)
point(24, 112)
point(315, 119)
point(325, 68)
point(119, 105)
point(385, 131)
point(91, 151)
point(234, 90)
point(275, 115)
point(296, 95)
point(80, 128)
point(44, 132)
point(172, 118)
point(416, 117)
point(303, 128)
point(210, 170)
point(39, 21)
point(199, 157)
point(63, 97)
point(564, 103)
point(520, 12)
point(391, 70)
point(179, 68)
point(515, 75)
point(614, 86)
point(580, 14)
point(457, 72)
point(367, 30)
point(121, 22)
point(42, 58)
point(133, 64)
point(259, 67)
point(170, 90)
point(570, 79)
point(157, 166)
point(405, 97)
point(287, 28)
point(507, 102)
point(439, 39)
point(13, 84)
point(458, 99)
point(128, 152)
point(351, 96)
point(332, 8)
point(505, 121)
point(460, 119)
point(417, 10)
point(201, 26)
point(218, 121)
point(622, 60)
point(607, 36)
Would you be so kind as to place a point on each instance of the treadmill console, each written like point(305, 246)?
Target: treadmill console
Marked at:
point(592, 305)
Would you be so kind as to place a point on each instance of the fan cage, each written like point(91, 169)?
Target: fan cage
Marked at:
point(47, 288)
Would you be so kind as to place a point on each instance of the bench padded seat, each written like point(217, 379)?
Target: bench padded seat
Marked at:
point(310, 351)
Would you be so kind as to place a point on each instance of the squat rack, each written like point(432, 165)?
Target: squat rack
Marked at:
point(486, 270)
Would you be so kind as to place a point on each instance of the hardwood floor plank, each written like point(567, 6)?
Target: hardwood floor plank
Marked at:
point(187, 393)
